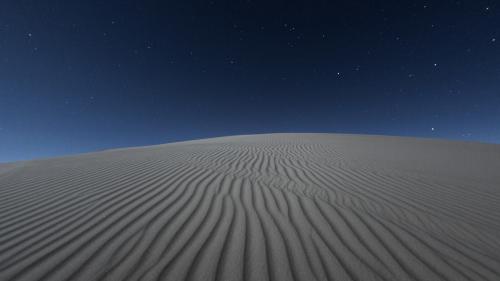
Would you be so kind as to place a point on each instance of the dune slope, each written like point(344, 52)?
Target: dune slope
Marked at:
point(260, 207)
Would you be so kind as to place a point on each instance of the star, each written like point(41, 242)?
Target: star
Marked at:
point(433, 129)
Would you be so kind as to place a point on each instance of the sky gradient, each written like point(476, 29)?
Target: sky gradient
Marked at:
point(79, 76)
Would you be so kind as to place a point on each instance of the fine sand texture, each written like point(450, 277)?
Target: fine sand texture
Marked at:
point(258, 207)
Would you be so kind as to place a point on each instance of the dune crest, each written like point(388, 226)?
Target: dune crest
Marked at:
point(257, 207)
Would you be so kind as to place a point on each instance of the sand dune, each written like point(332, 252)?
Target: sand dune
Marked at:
point(261, 207)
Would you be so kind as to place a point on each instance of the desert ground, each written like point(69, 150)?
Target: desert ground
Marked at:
point(256, 207)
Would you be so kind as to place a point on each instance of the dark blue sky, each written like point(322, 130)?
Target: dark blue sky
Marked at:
point(79, 76)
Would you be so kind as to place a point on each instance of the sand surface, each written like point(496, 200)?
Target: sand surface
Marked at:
point(262, 207)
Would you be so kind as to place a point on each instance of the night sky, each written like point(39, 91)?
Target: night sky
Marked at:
point(78, 76)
